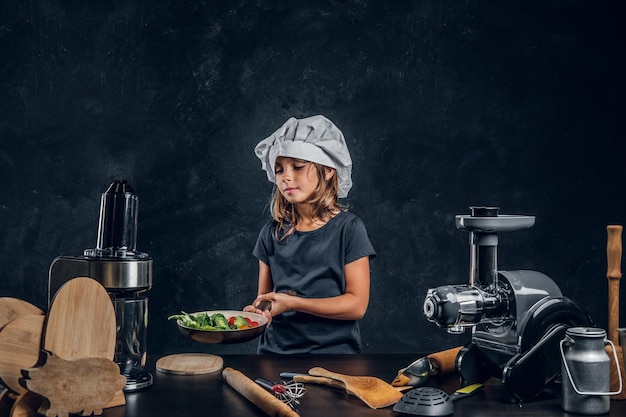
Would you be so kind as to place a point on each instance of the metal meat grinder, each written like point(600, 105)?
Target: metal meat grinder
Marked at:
point(123, 271)
point(517, 318)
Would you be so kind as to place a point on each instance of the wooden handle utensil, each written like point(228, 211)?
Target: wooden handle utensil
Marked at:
point(256, 394)
point(373, 391)
point(443, 362)
point(613, 275)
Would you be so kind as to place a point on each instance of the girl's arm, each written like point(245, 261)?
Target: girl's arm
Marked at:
point(265, 278)
point(351, 305)
point(265, 286)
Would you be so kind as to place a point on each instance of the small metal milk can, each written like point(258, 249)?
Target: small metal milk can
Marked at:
point(586, 372)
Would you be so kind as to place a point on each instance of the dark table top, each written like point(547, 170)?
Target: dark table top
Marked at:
point(209, 394)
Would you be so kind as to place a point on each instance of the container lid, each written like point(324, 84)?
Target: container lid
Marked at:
point(586, 332)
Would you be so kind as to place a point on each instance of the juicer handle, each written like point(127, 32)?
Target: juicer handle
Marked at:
point(614, 274)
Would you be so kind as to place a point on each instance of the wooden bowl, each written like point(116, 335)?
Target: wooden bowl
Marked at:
point(226, 336)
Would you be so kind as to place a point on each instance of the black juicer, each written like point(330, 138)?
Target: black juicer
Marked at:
point(517, 318)
point(124, 272)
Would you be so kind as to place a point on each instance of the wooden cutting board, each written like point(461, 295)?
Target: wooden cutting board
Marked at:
point(81, 322)
point(190, 364)
point(77, 386)
point(20, 345)
point(13, 308)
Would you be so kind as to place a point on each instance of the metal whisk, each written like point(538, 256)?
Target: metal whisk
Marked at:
point(288, 392)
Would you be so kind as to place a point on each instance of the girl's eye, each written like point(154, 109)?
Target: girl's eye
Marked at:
point(298, 167)
point(278, 171)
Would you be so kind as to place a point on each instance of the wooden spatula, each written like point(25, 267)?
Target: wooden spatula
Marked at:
point(373, 391)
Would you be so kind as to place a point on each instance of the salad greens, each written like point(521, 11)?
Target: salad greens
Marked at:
point(216, 321)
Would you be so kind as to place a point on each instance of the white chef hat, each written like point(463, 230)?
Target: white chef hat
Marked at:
point(313, 139)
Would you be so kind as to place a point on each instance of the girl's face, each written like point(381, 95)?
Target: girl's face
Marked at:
point(296, 179)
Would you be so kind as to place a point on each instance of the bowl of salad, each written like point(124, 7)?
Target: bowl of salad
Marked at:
point(220, 326)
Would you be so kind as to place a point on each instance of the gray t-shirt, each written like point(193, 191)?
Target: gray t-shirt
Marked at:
point(311, 263)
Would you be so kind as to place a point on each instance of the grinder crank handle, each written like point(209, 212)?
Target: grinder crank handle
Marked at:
point(614, 274)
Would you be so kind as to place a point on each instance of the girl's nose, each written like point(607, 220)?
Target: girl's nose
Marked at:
point(286, 175)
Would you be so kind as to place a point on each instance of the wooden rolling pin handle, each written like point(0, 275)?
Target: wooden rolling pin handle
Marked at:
point(614, 274)
point(443, 362)
point(257, 395)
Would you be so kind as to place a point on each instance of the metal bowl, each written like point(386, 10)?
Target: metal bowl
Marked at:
point(226, 336)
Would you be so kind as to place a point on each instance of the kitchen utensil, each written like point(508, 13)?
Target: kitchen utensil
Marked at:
point(373, 391)
point(79, 386)
point(190, 364)
point(418, 372)
point(13, 308)
point(309, 379)
point(288, 392)
point(20, 344)
point(613, 275)
point(226, 336)
point(415, 374)
point(257, 395)
point(430, 401)
point(320, 380)
point(81, 324)
point(81, 321)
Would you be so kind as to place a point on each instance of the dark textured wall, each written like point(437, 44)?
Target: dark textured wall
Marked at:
point(444, 104)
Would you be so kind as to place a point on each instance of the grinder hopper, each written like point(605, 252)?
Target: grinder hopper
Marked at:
point(123, 271)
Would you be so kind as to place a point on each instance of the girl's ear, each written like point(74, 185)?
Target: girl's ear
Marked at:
point(329, 172)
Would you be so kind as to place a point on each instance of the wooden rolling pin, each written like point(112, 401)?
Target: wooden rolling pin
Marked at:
point(613, 275)
point(257, 395)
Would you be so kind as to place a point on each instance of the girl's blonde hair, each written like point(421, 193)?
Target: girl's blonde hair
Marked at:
point(323, 201)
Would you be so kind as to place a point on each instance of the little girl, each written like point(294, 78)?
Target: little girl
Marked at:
point(313, 248)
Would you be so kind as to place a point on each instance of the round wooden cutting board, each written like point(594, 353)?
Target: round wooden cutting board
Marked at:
point(20, 344)
point(190, 364)
point(13, 308)
point(81, 322)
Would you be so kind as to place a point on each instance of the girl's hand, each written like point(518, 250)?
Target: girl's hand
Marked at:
point(253, 308)
point(279, 302)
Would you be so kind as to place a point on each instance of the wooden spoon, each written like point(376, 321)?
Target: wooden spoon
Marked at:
point(13, 308)
point(20, 344)
point(373, 391)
